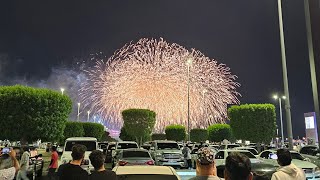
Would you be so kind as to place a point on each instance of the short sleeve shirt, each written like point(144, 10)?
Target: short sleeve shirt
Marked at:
point(54, 158)
point(7, 174)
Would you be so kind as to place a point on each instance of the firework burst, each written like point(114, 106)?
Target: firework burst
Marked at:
point(152, 74)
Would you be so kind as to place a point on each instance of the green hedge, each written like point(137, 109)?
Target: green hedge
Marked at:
point(125, 136)
point(73, 129)
point(219, 132)
point(253, 122)
point(175, 132)
point(28, 113)
point(198, 135)
point(93, 130)
point(158, 137)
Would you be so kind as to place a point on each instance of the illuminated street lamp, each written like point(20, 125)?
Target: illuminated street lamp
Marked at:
point(78, 112)
point(276, 97)
point(62, 90)
point(189, 63)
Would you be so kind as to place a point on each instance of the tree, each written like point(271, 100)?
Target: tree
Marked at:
point(125, 136)
point(253, 122)
point(73, 129)
point(139, 123)
point(219, 132)
point(198, 135)
point(175, 132)
point(28, 114)
point(106, 137)
point(93, 130)
point(158, 137)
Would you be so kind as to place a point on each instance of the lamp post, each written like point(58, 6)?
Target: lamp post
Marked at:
point(189, 63)
point(88, 116)
point(276, 97)
point(78, 112)
point(62, 90)
point(204, 103)
point(285, 77)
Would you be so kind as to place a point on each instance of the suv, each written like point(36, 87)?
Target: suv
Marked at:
point(89, 142)
point(167, 153)
point(312, 152)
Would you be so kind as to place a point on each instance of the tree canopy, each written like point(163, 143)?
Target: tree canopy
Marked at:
point(219, 132)
point(175, 132)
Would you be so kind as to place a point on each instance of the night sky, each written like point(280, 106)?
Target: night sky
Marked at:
point(36, 36)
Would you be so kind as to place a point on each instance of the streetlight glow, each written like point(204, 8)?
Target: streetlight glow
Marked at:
point(275, 96)
point(88, 115)
point(62, 90)
point(283, 97)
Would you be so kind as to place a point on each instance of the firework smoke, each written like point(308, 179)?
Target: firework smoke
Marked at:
point(153, 74)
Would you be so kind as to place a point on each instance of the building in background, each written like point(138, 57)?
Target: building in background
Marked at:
point(311, 127)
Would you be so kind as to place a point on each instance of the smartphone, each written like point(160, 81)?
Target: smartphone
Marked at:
point(5, 150)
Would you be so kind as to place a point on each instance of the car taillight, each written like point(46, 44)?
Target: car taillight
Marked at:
point(150, 162)
point(122, 163)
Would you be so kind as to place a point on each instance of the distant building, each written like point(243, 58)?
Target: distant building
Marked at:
point(311, 127)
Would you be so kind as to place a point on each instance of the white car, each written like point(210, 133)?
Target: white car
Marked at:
point(228, 146)
point(146, 173)
point(251, 149)
point(257, 165)
point(124, 145)
point(311, 170)
point(89, 142)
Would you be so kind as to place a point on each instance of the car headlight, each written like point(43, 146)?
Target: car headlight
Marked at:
point(158, 154)
point(317, 170)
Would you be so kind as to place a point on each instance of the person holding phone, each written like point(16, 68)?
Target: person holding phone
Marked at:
point(9, 165)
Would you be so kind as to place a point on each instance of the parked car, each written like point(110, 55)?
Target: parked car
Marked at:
point(146, 146)
point(89, 142)
point(103, 146)
point(312, 152)
point(129, 157)
point(311, 170)
point(167, 153)
point(257, 166)
point(124, 145)
point(110, 149)
point(145, 173)
point(228, 146)
point(251, 149)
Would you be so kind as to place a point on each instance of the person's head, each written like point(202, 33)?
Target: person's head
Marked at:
point(54, 148)
point(25, 148)
point(238, 167)
point(205, 162)
point(78, 151)
point(5, 161)
point(97, 160)
point(284, 157)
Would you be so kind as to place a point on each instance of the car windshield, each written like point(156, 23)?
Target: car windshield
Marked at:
point(296, 156)
point(230, 146)
point(168, 146)
point(91, 145)
point(129, 154)
point(146, 177)
point(127, 145)
point(248, 154)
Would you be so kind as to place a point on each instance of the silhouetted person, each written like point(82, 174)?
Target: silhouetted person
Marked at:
point(100, 173)
point(238, 167)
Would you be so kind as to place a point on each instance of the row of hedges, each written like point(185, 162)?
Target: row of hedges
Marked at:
point(83, 129)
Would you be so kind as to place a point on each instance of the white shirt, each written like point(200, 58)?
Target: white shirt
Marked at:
point(7, 174)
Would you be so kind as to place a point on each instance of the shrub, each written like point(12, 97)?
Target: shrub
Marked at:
point(73, 129)
point(158, 137)
point(198, 135)
point(175, 132)
point(28, 114)
point(219, 132)
point(93, 130)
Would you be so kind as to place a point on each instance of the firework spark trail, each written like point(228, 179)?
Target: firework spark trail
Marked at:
point(152, 74)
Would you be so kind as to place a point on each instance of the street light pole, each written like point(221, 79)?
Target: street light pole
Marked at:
point(285, 77)
point(78, 112)
point(189, 62)
point(281, 121)
point(62, 90)
point(88, 116)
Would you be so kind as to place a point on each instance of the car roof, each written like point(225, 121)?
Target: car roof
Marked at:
point(128, 142)
point(81, 139)
point(274, 151)
point(160, 170)
point(135, 149)
point(234, 150)
point(164, 141)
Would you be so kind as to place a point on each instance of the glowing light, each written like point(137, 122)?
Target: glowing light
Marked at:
point(152, 74)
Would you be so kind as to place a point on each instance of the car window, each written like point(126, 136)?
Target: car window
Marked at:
point(168, 146)
point(91, 145)
point(230, 146)
point(304, 150)
point(296, 156)
point(220, 155)
point(248, 154)
point(129, 154)
point(265, 155)
point(127, 145)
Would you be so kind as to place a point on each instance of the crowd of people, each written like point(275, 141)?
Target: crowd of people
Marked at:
point(237, 166)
